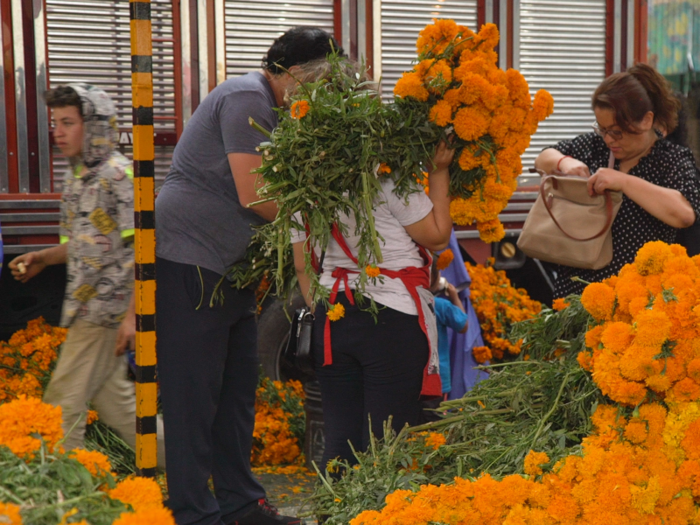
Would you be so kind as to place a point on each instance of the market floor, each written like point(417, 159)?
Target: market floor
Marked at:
point(287, 488)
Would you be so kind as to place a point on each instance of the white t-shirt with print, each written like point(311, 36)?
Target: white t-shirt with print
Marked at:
point(399, 251)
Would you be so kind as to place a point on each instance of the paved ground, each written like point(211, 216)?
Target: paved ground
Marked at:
point(288, 488)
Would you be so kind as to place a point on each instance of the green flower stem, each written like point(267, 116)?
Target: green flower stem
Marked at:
point(12, 496)
point(555, 405)
point(257, 126)
point(453, 419)
point(370, 218)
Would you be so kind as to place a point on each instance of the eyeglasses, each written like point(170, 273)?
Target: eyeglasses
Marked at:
point(615, 134)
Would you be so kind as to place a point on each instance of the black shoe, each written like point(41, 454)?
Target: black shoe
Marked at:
point(263, 513)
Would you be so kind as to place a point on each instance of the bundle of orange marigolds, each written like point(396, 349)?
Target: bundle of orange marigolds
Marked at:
point(26, 360)
point(489, 109)
point(497, 305)
point(641, 465)
point(31, 431)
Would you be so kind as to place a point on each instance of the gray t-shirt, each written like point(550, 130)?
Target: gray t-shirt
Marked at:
point(199, 219)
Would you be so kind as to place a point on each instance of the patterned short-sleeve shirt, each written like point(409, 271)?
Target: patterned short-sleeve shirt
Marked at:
point(97, 222)
point(668, 165)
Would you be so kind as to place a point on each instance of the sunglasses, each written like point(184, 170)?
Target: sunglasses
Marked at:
point(615, 134)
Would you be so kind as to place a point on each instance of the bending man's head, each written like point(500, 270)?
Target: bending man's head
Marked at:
point(297, 47)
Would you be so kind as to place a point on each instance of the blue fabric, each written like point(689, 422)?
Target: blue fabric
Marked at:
point(448, 316)
point(464, 373)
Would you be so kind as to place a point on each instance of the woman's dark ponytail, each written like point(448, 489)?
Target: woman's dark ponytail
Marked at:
point(631, 94)
point(666, 105)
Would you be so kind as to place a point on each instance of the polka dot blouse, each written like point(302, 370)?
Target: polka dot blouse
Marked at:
point(667, 165)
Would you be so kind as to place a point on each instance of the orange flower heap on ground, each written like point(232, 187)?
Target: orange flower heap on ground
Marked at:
point(140, 493)
point(277, 406)
point(645, 343)
point(490, 110)
point(641, 464)
point(26, 360)
point(27, 422)
point(97, 463)
point(497, 305)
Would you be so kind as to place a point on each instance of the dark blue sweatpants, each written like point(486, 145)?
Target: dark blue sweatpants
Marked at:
point(208, 372)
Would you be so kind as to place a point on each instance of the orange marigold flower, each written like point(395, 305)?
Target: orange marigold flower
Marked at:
point(617, 336)
point(636, 431)
point(685, 390)
point(435, 440)
point(653, 328)
point(691, 440)
point(299, 109)
point(372, 271)
point(651, 257)
point(441, 113)
point(25, 422)
point(482, 354)
point(96, 462)
point(559, 304)
point(533, 462)
point(383, 168)
point(411, 85)
point(445, 259)
point(139, 492)
point(471, 123)
point(9, 513)
point(148, 516)
point(593, 337)
point(491, 231)
point(599, 300)
point(543, 105)
point(336, 312)
point(91, 417)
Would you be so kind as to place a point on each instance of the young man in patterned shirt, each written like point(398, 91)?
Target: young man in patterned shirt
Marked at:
point(97, 231)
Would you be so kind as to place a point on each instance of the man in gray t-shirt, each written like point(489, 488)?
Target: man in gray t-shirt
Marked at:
point(207, 359)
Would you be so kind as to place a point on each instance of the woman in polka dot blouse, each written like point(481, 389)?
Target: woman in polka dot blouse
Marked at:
point(661, 194)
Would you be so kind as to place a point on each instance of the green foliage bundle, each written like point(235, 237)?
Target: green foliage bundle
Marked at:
point(50, 485)
point(543, 401)
point(326, 160)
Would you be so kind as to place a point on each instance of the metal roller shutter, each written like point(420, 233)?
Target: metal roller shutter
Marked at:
point(89, 41)
point(562, 50)
point(252, 26)
point(402, 20)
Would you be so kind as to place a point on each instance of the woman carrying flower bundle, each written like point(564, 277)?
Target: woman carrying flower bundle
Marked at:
point(377, 367)
point(661, 193)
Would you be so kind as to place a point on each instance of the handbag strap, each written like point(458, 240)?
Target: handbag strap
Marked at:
point(608, 203)
point(608, 212)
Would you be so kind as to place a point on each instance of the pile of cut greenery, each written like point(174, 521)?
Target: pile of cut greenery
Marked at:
point(542, 401)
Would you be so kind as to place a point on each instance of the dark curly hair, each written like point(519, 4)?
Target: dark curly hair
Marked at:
point(64, 96)
point(298, 46)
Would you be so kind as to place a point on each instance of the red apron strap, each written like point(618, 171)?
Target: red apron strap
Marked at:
point(341, 242)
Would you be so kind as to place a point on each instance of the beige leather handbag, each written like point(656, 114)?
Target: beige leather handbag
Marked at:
point(567, 226)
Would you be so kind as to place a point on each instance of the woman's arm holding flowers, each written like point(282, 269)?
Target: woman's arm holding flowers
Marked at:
point(433, 231)
point(247, 183)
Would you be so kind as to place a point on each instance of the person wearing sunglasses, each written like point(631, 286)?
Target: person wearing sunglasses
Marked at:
point(661, 193)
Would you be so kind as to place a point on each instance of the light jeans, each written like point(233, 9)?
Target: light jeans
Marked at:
point(88, 371)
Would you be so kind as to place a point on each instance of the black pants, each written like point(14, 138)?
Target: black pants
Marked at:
point(208, 372)
point(377, 372)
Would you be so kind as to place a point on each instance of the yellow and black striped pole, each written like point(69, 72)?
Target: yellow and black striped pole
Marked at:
point(145, 236)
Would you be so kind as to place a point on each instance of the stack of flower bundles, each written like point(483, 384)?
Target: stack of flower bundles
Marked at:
point(329, 154)
point(641, 464)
